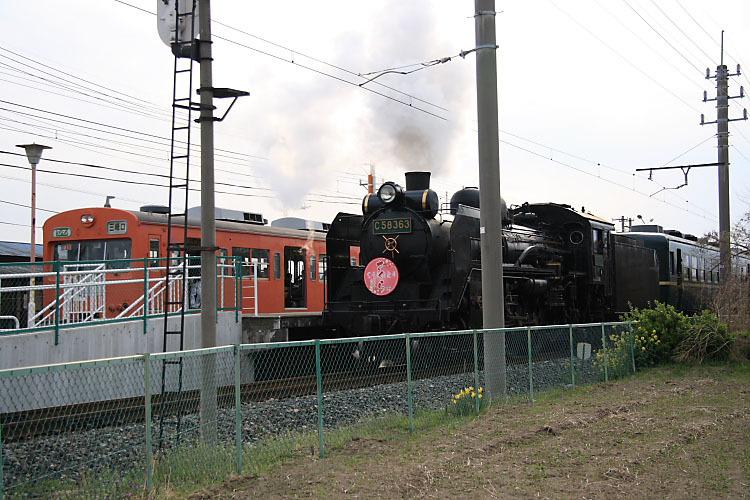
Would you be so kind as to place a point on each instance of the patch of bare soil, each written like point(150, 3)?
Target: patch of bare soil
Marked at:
point(659, 435)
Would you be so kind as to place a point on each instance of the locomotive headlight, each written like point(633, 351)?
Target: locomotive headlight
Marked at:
point(387, 193)
point(87, 219)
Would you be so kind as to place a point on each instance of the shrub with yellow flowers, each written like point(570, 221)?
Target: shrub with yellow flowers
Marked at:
point(465, 402)
point(619, 355)
point(667, 323)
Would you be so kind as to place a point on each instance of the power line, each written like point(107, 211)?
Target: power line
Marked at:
point(662, 37)
point(603, 179)
point(309, 68)
point(134, 98)
point(27, 206)
point(633, 65)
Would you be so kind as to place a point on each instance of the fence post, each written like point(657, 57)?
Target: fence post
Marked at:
point(57, 302)
point(320, 396)
point(147, 412)
point(237, 409)
point(572, 358)
point(476, 370)
point(531, 374)
point(606, 356)
point(408, 382)
point(216, 287)
point(238, 274)
point(145, 295)
point(632, 353)
point(237, 300)
point(2, 484)
point(255, 287)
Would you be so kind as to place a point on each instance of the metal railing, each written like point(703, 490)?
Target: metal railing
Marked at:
point(108, 428)
point(80, 293)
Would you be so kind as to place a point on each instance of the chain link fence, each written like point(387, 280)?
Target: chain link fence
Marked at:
point(179, 421)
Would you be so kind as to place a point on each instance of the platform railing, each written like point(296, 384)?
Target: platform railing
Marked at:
point(80, 293)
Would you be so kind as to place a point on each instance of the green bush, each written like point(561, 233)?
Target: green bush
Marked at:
point(705, 339)
point(658, 331)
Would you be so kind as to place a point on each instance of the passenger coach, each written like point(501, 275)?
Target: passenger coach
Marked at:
point(289, 254)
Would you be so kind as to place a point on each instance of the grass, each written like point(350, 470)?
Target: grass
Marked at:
point(672, 433)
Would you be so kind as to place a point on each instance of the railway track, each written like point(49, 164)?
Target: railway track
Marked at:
point(22, 425)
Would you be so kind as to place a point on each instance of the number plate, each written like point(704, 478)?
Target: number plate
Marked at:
point(117, 227)
point(391, 226)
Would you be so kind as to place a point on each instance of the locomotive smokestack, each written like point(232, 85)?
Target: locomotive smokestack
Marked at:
point(417, 181)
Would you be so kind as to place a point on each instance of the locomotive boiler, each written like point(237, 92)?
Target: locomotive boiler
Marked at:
point(420, 269)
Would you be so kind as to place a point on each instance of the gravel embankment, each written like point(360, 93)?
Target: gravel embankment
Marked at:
point(74, 454)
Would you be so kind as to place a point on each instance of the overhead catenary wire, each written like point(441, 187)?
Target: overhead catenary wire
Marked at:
point(146, 11)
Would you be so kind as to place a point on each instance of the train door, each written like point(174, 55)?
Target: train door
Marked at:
point(295, 280)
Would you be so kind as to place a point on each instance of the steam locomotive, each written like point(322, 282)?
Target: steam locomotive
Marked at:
point(420, 271)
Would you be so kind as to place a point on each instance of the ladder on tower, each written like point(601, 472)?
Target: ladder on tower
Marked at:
point(176, 279)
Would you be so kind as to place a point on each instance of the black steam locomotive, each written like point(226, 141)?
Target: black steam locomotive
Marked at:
point(420, 272)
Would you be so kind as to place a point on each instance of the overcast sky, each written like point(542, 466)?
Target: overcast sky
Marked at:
point(589, 91)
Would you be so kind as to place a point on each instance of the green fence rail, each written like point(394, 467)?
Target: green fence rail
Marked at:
point(183, 420)
point(79, 293)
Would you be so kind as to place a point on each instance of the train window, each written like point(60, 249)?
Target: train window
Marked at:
point(277, 265)
point(95, 250)
point(597, 241)
point(245, 255)
point(354, 261)
point(117, 249)
point(671, 262)
point(313, 269)
point(153, 249)
point(679, 261)
point(261, 258)
point(322, 265)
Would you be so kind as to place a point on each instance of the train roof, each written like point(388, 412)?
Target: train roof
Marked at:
point(671, 236)
point(161, 218)
point(564, 209)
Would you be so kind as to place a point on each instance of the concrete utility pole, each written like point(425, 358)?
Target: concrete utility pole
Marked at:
point(722, 124)
point(722, 114)
point(493, 302)
point(208, 229)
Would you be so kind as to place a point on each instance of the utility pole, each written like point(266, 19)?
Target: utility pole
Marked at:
point(622, 220)
point(722, 123)
point(208, 399)
point(370, 185)
point(490, 222)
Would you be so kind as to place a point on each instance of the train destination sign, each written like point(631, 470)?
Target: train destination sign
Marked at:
point(381, 276)
point(392, 226)
point(117, 227)
point(62, 232)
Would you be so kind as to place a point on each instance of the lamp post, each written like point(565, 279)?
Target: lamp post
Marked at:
point(34, 154)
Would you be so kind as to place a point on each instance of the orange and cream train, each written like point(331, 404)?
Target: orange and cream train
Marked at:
point(289, 255)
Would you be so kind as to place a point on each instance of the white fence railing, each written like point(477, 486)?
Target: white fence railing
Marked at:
point(78, 293)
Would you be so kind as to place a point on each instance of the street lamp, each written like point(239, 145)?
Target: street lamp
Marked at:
point(34, 154)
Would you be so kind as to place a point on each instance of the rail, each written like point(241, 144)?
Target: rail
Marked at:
point(81, 293)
